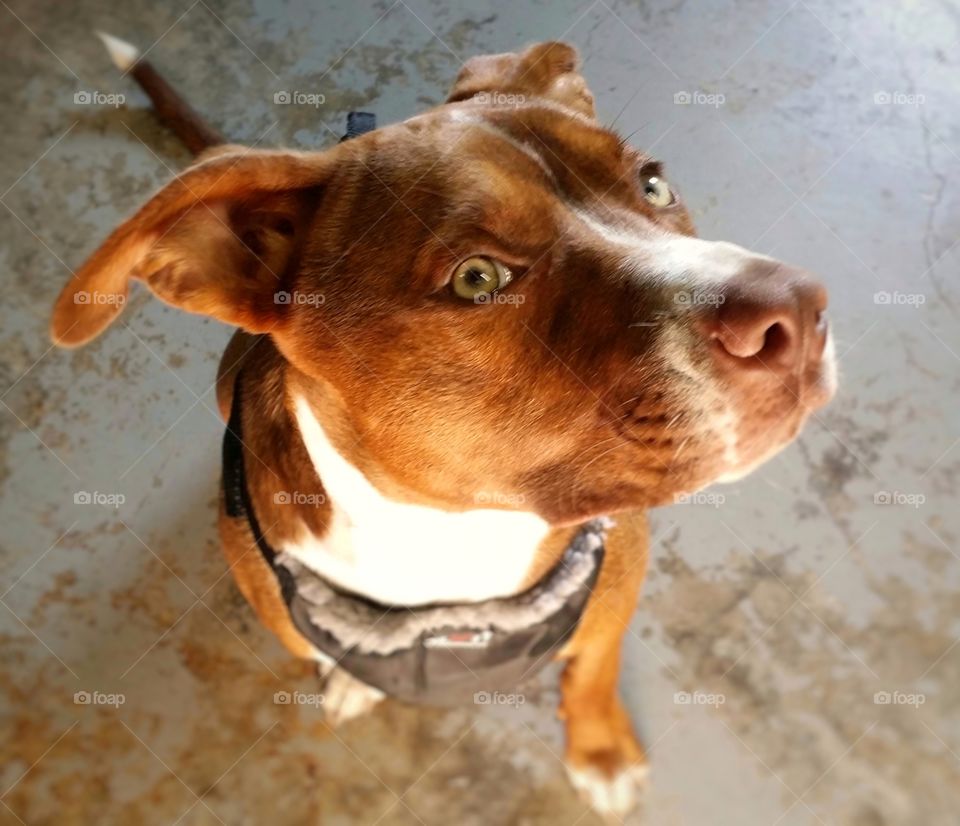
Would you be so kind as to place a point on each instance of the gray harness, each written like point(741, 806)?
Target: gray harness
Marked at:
point(433, 654)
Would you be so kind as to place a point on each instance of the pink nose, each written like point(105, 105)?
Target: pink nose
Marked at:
point(769, 315)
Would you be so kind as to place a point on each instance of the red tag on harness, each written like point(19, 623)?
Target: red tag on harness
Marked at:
point(460, 639)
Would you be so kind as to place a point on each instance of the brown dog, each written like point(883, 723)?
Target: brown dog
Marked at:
point(495, 325)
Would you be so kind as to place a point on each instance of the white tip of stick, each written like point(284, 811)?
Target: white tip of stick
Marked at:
point(124, 55)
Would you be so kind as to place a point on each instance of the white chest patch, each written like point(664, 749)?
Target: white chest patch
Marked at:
point(410, 554)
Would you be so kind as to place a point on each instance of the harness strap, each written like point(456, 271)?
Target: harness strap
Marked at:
point(438, 655)
point(359, 123)
point(236, 495)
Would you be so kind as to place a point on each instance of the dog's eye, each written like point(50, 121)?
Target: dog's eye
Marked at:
point(479, 276)
point(657, 191)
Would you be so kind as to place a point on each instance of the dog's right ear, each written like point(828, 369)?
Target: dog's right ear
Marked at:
point(216, 240)
point(543, 70)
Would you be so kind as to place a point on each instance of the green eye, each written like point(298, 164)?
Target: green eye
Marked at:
point(478, 276)
point(657, 191)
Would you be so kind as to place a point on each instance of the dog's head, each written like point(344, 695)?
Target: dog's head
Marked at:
point(499, 295)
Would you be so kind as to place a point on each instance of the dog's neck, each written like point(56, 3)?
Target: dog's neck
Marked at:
point(410, 554)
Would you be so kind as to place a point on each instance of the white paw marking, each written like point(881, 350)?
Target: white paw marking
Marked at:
point(346, 697)
point(611, 796)
point(325, 665)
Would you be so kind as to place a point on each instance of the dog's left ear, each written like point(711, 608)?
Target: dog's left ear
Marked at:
point(544, 70)
point(217, 240)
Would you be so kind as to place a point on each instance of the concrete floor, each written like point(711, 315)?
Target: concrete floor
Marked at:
point(795, 599)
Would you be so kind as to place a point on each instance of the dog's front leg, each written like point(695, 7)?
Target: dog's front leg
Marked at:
point(605, 761)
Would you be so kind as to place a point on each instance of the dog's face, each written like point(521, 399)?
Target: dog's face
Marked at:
point(498, 298)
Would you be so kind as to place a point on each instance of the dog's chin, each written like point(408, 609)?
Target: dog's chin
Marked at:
point(774, 436)
point(652, 482)
point(758, 440)
point(671, 449)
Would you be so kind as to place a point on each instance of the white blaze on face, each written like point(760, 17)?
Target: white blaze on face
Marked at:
point(695, 267)
point(410, 554)
point(670, 258)
point(690, 264)
point(830, 365)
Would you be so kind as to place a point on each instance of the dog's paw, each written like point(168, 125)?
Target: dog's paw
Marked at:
point(605, 761)
point(346, 697)
point(613, 794)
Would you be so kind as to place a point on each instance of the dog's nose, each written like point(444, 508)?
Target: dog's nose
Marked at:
point(769, 315)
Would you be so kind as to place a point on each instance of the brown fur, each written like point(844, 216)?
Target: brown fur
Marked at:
point(560, 402)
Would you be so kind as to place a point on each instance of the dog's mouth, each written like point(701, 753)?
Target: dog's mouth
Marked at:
point(702, 427)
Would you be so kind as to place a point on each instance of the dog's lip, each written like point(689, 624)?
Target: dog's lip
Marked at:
point(661, 457)
point(822, 329)
point(817, 381)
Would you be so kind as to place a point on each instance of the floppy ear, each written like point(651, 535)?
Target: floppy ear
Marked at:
point(217, 240)
point(544, 70)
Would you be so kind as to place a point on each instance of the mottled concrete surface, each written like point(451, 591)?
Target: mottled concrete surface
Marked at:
point(793, 598)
